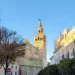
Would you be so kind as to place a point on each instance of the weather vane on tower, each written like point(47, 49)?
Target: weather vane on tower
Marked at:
point(40, 22)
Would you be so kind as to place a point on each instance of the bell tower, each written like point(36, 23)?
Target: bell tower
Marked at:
point(39, 38)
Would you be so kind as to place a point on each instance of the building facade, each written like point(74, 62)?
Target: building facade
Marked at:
point(35, 55)
point(64, 46)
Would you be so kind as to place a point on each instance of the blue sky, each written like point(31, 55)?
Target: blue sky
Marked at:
point(23, 15)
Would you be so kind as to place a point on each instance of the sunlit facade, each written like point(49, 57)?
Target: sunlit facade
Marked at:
point(64, 46)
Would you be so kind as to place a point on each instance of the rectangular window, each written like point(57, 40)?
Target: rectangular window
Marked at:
point(11, 73)
point(15, 73)
point(62, 57)
point(73, 53)
point(16, 67)
point(12, 66)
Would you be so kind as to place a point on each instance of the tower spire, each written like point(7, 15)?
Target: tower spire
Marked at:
point(39, 38)
point(40, 29)
point(40, 25)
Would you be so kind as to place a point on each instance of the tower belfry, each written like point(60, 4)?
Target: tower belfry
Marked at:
point(39, 38)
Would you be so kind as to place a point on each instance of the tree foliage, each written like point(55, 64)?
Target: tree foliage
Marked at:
point(48, 63)
point(9, 44)
point(67, 66)
point(49, 70)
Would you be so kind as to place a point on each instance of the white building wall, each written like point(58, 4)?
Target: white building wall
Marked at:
point(1, 71)
point(14, 70)
point(29, 70)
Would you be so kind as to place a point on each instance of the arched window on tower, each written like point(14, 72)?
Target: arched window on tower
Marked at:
point(38, 38)
point(35, 39)
point(39, 31)
point(41, 38)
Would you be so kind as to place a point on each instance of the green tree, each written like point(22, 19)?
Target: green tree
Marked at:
point(49, 70)
point(48, 63)
point(67, 66)
point(9, 44)
point(41, 72)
